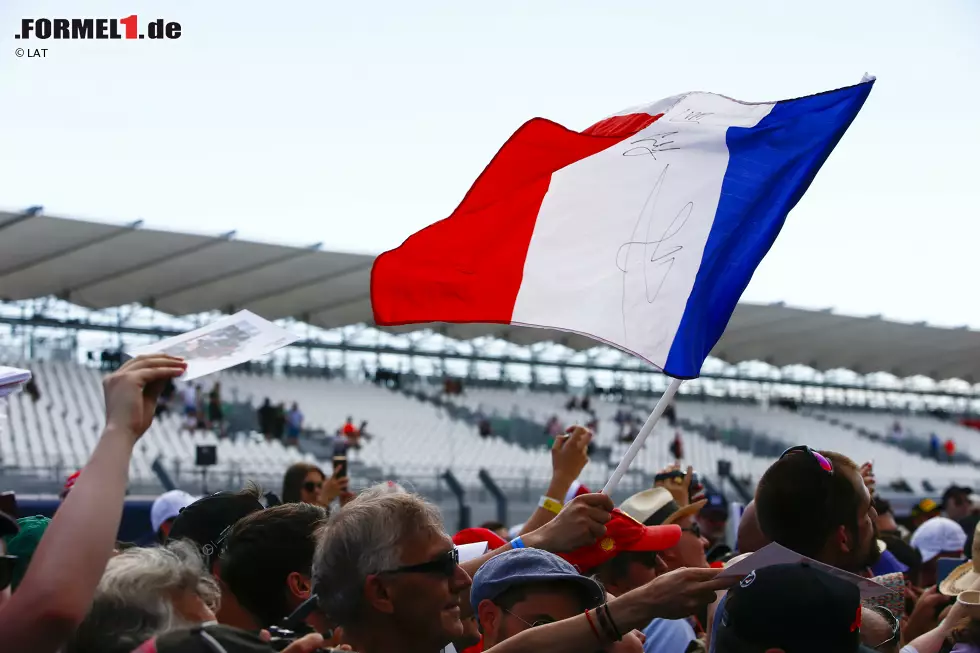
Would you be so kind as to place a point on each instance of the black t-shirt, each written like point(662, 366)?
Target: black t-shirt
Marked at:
point(969, 525)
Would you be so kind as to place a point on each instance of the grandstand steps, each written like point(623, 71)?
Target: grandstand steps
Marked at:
point(418, 435)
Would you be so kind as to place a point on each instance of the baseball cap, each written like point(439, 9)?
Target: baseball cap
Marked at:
point(24, 544)
point(924, 507)
point(206, 521)
point(715, 504)
point(167, 506)
point(793, 607)
point(202, 639)
point(623, 533)
point(955, 490)
point(656, 506)
point(472, 535)
point(938, 535)
point(526, 566)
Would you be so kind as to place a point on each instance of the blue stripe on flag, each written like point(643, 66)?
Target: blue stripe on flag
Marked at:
point(770, 166)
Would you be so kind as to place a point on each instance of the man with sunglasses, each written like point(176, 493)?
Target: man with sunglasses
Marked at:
point(631, 562)
point(817, 504)
point(633, 566)
point(657, 507)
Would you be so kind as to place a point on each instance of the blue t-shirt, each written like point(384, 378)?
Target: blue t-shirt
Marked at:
point(668, 636)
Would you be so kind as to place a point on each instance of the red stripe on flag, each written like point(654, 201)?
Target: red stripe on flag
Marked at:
point(469, 266)
point(619, 126)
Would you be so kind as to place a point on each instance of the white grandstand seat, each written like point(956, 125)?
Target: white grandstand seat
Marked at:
point(792, 428)
point(62, 429)
point(412, 438)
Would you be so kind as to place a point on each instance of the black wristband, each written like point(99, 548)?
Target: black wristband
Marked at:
point(605, 608)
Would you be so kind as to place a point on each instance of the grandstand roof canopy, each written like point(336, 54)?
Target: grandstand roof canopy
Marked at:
point(98, 265)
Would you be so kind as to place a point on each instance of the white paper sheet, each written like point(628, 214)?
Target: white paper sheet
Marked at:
point(775, 554)
point(11, 378)
point(222, 344)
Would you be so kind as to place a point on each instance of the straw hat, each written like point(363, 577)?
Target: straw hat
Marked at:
point(964, 576)
point(656, 507)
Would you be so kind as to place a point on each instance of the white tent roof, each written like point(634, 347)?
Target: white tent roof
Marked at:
point(101, 265)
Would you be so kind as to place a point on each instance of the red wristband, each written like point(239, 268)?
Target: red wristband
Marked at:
point(595, 632)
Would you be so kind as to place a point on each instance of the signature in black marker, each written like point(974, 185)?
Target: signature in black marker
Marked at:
point(689, 115)
point(658, 254)
point(652, 145)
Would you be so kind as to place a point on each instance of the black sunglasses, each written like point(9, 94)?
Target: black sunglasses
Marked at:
point(893, 623)
point(312, 486)
point(7, 563)
point(444, 564)
point(694, 529)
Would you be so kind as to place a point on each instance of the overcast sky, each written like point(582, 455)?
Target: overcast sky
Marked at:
point(356, 124)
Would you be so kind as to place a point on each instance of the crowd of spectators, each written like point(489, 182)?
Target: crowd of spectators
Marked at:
point(320, 566)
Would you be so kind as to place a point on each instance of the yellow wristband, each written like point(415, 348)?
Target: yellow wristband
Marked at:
point(549, 504)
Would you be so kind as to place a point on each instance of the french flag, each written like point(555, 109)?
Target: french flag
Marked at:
point(641, 231)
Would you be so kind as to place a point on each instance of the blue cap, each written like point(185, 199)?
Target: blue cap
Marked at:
point(526, 566)
point(715, 503)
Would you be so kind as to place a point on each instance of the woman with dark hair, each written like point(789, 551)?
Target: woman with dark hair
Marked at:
point(306, 483)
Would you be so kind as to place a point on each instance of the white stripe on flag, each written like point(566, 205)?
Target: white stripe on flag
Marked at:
point(624, 231)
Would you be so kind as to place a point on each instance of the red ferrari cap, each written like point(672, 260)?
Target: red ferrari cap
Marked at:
point(623, 533)
point(474, 535)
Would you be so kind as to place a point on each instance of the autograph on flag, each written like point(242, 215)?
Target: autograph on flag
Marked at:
point(651, 145)
point(657, 256)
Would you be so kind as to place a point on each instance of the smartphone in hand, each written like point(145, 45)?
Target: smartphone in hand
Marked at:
point(340, 466)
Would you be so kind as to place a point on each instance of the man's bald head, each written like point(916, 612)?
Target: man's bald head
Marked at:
point(750, 535)
point(875, 631)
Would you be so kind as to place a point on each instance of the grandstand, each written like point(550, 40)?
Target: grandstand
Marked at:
point(104, 274)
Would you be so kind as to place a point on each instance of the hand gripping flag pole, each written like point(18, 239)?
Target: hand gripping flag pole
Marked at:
point(641, 437)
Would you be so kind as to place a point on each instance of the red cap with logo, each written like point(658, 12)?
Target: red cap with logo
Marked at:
point(623, 533)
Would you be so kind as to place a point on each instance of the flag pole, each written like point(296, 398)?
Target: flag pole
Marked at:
point(641, 437)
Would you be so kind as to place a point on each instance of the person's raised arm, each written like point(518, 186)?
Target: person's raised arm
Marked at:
point(932, 641)
point(580, 523)
point(60, 582)
point(569, 456)
point(674, 595)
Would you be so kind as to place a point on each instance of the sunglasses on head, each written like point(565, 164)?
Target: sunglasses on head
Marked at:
point(444, 564)
point(312, 486)
point(7, 563)
point(821, 459)
point(893, 623)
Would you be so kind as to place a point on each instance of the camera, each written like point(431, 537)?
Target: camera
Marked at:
point(282, 638)
point(294, 626)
